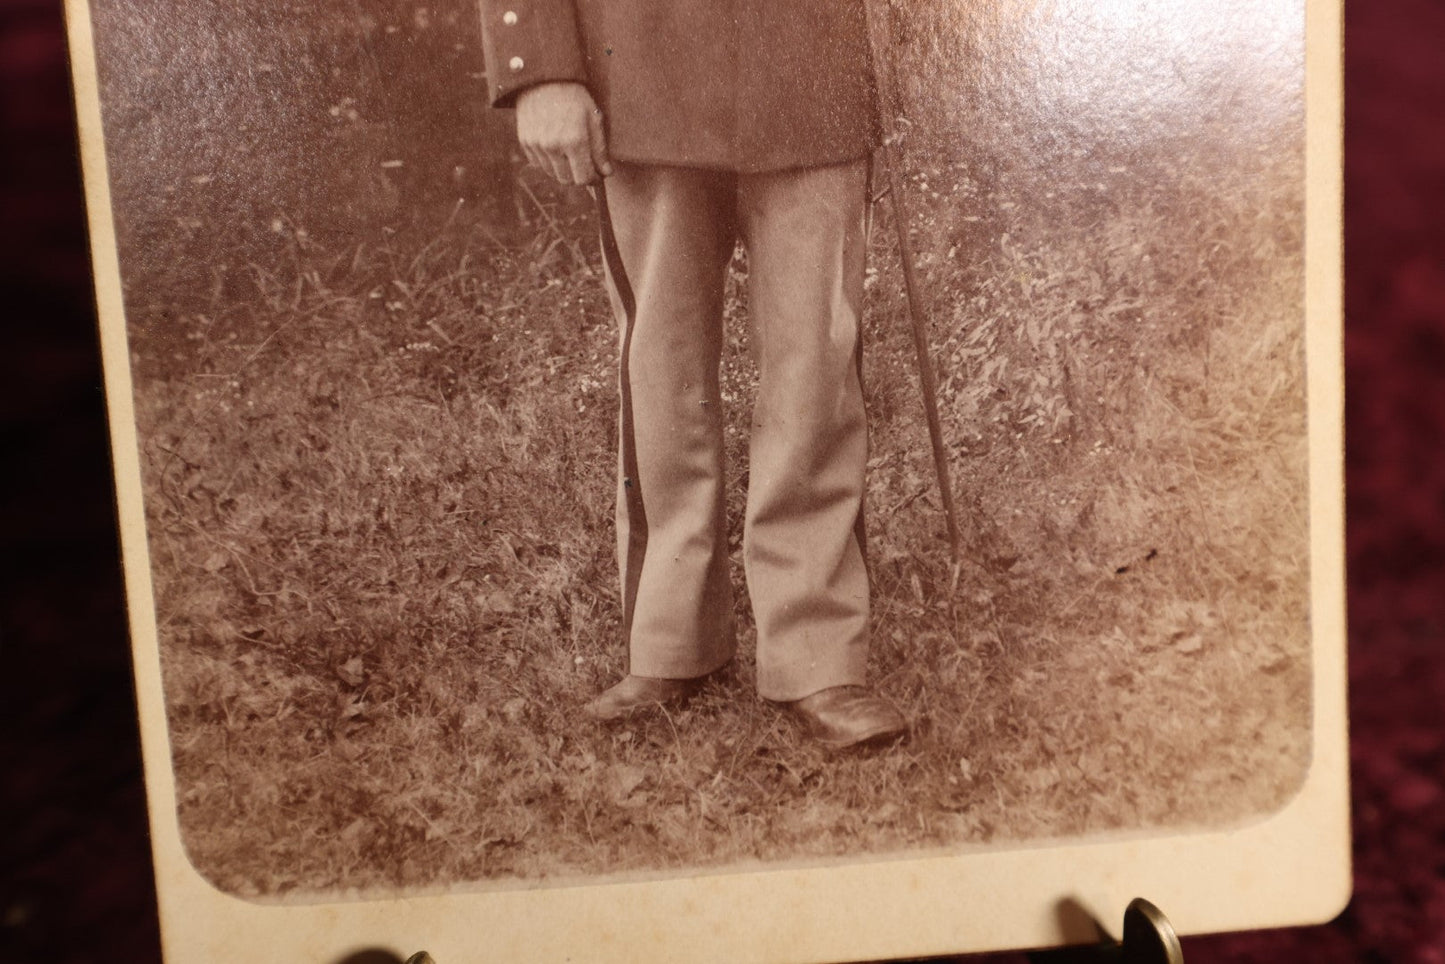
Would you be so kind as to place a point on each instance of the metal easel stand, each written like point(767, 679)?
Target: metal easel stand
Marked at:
point(1148, 938)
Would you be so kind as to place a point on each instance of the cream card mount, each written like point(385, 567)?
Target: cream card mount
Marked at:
point(362, 376)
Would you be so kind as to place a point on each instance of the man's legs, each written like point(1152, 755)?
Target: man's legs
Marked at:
point(803, 552)
point(668, 235)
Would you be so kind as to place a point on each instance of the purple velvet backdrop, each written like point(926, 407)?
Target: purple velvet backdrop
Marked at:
point(75, 877)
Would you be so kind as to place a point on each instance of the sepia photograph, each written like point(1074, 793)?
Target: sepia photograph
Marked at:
point(588, 440)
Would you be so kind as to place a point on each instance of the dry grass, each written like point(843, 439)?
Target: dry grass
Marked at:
point(380, 497)
point(379, 475)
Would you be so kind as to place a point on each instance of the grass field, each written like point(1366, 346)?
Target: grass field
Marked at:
point(380, 497)
point(379, 479)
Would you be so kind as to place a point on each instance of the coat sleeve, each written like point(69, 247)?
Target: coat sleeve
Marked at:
point(529, 42)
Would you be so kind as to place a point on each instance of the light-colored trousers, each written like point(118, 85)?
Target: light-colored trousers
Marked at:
point(668, 236)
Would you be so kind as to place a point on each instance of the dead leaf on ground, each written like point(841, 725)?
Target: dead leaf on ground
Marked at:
point(495, 601)
point(1189, 643)
point(626, 779)
point(349, 705)
point(352, 672)
point(356, 831)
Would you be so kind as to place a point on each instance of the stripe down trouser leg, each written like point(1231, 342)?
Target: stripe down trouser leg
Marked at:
point(667, 239)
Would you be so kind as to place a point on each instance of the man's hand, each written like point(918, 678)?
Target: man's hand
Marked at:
point(560, 129)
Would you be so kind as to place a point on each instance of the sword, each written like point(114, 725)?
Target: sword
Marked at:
point(880, 39)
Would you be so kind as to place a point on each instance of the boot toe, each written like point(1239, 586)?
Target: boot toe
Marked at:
point(849, 716)
point(639, 693)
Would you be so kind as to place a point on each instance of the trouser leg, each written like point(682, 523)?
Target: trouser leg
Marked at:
point(803, 547)
point(668, 234)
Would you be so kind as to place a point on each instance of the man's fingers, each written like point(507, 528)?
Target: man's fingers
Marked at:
point(539, 159)
point(597, 142)
point(560, 166)
point(579, 165)
point(569, 165)
point(551, 162)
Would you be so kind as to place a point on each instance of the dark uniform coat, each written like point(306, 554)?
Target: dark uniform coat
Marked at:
point(741, 85)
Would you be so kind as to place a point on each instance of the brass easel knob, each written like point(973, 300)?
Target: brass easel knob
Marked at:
point(1149, 938)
